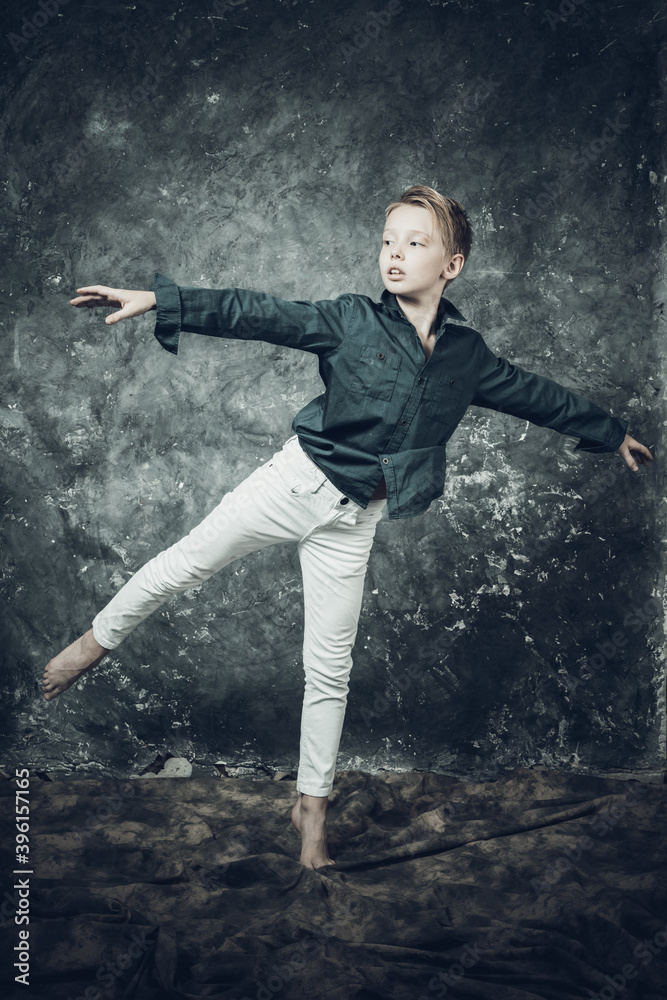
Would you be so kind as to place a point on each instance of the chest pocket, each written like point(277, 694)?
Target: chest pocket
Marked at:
point(376, 373)
point(444, 397)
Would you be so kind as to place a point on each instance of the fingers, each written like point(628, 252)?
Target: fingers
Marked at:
point(98, 289)
point(643, 455)
point(96, 295)
point(641, 452)
point(114, 317)
point(133, 302)
point(624, 452)
point(92, 300)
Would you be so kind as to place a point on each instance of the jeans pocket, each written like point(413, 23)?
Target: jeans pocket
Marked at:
point(296, 481)
point(299, 488)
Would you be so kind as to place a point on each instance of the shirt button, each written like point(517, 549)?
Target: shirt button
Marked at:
point(451, 381)
point(344, 500)
point(386, 461)
point(404, 421)
point(420, 379)
point(380, 355)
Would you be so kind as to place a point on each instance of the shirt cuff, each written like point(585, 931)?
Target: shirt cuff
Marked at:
point(619, 425)
point(168, 312)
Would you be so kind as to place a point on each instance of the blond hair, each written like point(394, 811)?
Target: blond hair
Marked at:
point(450, 219)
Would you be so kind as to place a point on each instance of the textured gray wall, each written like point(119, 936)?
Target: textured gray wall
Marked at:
point(257, 144)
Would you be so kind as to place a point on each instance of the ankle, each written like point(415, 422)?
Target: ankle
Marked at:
point(93, 644)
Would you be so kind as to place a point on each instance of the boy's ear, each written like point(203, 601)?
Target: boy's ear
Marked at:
point(448, 276)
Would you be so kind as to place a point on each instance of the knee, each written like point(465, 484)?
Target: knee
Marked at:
point(332, 681)
point(172, 571)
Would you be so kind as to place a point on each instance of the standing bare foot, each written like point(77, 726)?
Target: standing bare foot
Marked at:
point(309, 817)
point(66, 668)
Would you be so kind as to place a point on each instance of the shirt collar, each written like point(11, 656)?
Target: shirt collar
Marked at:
point(445, 308)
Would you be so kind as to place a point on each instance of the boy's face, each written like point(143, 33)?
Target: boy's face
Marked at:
point(411, 243)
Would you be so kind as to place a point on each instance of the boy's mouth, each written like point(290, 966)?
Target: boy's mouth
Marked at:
point(395, 272)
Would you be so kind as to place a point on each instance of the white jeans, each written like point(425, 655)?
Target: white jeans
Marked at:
point(289, 498)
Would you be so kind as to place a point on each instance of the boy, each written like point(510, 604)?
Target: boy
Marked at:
point(399, 376)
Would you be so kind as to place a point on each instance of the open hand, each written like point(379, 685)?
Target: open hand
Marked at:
point(134, 303)
point(628, 447)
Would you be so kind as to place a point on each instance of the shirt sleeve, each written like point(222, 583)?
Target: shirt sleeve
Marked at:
point(243, 314)
point(509, 388)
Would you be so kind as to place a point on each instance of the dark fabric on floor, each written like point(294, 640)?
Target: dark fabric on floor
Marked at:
point(540, 884)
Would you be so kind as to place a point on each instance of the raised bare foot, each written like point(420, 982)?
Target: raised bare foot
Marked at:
point(309, 817)
point(66, 668)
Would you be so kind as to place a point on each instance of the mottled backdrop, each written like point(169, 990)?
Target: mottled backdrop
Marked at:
point(258, 144)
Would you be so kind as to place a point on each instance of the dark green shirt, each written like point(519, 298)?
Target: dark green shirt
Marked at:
point(386, 410)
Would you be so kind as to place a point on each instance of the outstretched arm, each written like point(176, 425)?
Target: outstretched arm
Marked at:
point(507, 387)
point(237, 313)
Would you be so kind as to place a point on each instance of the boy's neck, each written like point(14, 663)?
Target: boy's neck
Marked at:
point(422, 312)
